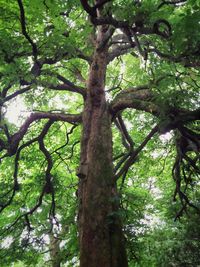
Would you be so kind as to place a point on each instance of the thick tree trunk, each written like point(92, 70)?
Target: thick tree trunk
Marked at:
point(100, 232)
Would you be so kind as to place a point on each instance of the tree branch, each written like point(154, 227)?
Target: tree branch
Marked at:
point(48, 183)
point(135, 153)
point(186, 59)
point(17, 137)
point(67, 85)
point(101, 3)
point(16, 93)
point(16, 185)
point(126, 138)
point(119, 51)
point(177, 118)
point(24, 31)
point(106, 38)
point(175, 3)
point(90, 10)
point(137, 99)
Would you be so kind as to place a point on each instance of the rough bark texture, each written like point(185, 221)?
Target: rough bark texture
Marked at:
point(100, 232)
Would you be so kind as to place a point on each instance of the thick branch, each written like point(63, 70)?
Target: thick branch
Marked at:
point(106, 38)
point(110, 21)
point(188, 116)
point(90, 10)
point(119, 51)
point(101, 3)
point(177, 118)
point(137, 99)
point(17, 137)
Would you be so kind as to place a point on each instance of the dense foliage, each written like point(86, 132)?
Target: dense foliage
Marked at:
point(46, 50)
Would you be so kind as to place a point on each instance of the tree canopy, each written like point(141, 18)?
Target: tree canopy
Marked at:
point(146, 58)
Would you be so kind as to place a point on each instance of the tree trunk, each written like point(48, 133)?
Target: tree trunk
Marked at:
point(54, 250)
point(100, 231)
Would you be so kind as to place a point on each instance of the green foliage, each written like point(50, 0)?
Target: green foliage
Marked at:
point(65, 40)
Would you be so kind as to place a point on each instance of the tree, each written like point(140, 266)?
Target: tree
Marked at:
point(107, 61)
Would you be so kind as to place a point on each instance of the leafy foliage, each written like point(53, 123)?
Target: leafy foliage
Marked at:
point(46, 52)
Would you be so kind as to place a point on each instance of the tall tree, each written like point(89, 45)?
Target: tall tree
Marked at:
point(99, 58)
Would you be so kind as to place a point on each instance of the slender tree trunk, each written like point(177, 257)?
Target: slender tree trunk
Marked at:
point(55, 251)
point(100, 232)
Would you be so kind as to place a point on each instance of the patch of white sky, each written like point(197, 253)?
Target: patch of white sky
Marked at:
point(16, 111)
point(165, 139)
point(6, 242)
point(152, 220)
point(154, 190)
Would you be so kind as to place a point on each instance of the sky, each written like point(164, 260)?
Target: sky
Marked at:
point(16, 111)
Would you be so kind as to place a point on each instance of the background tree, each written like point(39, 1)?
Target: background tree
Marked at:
point(100, 80)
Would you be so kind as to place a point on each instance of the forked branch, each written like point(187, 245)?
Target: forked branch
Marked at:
point(135, 153)
point(14, 140)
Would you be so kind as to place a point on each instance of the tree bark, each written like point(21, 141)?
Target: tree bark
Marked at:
point(54, 250)
point(100, 232)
